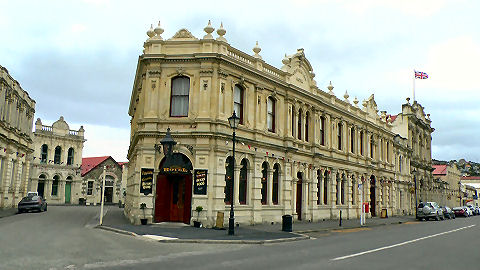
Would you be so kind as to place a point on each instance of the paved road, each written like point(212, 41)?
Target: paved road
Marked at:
point(62, 239)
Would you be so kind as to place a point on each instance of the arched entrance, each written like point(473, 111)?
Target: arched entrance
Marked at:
point(109, 182)
point(299, 196)
point(68, 190)
point(372, 196)
point(41, 185)
point(173, 201)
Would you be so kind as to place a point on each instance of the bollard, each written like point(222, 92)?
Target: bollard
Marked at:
point(340, 224)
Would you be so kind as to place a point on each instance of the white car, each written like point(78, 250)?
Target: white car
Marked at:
point(468, 210)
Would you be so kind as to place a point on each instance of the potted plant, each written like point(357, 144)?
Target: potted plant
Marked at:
point(144, 219)
point(197, 223)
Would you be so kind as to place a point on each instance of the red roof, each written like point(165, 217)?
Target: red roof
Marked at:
point(470, 177)
point(90, 163)
point(122, 163)
point(440, 170)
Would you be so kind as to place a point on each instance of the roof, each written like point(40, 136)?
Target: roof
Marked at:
point(440, 170)
point(392, 118)
point(470, 178)
point(122, 163)
point(90, 163)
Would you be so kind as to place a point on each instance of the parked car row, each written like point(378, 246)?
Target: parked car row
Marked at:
point(32, 202)
point(431, 210)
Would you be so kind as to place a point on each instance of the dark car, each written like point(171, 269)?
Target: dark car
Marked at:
point(460, 212)
point(32, 203)
point(447, 212)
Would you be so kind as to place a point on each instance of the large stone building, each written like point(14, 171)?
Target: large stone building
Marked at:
point(55, 173)
point(300, 149)
point(16, 119)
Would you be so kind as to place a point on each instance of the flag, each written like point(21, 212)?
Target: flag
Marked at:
point(420, 75)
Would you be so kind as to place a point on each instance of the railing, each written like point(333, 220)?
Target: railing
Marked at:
point(240, 57)
point(47, 128)
point(73, 132)
point(271, 72)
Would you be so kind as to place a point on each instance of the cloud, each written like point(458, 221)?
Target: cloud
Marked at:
point(106, 141)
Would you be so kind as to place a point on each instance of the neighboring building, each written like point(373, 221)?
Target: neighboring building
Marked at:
point(300, 150)
point(471, 189)
point(447, 184)
point(92, 174)
point(16, 119)
point(55, 173)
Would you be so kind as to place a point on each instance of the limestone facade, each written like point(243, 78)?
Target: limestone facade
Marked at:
point(300, 149)
point(92, 177)
point(16, 119)
point(447, 184)
point(55, 173)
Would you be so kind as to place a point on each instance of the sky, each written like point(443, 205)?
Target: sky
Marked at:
point(78, 58)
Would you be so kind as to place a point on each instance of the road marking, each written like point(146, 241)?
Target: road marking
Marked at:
point(351, 230)
point(158, 237)
point(399, 244)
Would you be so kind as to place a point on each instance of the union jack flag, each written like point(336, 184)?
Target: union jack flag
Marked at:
point(420, 75)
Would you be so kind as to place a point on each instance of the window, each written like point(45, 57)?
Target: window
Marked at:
point(1, 170)
point(58, 155)
point(293, 123)
point(299, 124)
point(339, 135)
point(325, 187)
point(371, 146)
point(271, 114)
point(354, 186)
point(322, 130)
point(179, 97)
point(388, 151)
point(55, 185)
point(380, 150)
point(44, 154)
point(70, 155)
point(243, 183)
point(400, 162)
point(276, 173)
point(228, 180)
point(14, 176)
point(238, 101)
point(264, 182)
point(319, 185)
point(342, 195)
point(307, 119)
point(352, 140)
point(361, 143)
point(90, 188)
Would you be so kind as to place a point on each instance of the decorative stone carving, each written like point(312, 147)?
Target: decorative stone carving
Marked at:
point(183, 34)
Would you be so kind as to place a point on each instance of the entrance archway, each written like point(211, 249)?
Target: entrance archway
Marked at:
point(372, 196)
point(299, 195)
point(41, 185)
point(173, 201)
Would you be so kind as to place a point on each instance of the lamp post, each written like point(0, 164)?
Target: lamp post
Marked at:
point(168, 144)
point(415, 183)
point(233, 120)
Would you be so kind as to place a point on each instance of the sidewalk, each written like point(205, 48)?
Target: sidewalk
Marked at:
point(114, 220)
point(6, 212)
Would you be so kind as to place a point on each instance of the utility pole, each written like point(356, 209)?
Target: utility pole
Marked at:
point(103, 195)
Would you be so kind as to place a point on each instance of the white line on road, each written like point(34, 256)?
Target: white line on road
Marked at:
point(399, 244)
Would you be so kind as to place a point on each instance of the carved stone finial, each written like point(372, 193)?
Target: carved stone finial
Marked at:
point(330, 88)
point(158, 31)
point(221, 32)
point(209, 30)
point(408, 100)
point(346, 96)
point(355, 101)
point(285, 60)
point(150, 32)
point(257, 50)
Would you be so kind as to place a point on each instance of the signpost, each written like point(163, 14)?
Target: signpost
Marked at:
point(362, 214)
point(103, 195)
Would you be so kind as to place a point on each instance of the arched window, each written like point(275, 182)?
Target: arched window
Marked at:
point(307, 119)
point(339, 189)
point(228, 180)
point(70, 155)
point(44, 154)
point(238, 94)
point(55, 185)
point(299, 126)
point(58, 155)
point(264, 182)
point(342, 187)
point(400, 162)
point(179, 96)
point(293, 123)
point(322, 130)
point(354, 187)
point(325, 187)
point(276, 175)
point(242, 195)
point(361, 142)
point(319, 185)
point(339, 135)
point(352, 140)
point(372, 143)
point(388, 151)
point(271, 114)
point(380, 150)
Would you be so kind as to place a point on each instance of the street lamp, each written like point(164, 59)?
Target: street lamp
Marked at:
point(233, 120)
point(415, 183)
point(168, 144)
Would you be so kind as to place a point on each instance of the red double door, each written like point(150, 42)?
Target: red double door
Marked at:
point(173, 201)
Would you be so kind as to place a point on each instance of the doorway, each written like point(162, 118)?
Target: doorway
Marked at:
point(41, 188)
point(299, 196)
point(68, 192)
point(372, 196)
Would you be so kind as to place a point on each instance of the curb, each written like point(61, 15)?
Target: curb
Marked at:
point(349, 227)
point(209, 241)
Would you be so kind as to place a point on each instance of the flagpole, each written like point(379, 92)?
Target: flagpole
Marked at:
point(414, 85)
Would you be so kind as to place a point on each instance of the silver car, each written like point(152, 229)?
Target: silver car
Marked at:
point(427, 210)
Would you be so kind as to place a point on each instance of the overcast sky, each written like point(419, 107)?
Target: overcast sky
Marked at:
point(78, 58)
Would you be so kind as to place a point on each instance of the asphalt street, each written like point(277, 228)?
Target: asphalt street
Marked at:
point(64, 238)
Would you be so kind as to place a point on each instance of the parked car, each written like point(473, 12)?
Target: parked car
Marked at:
point(32, 202)
point(427, 210)
point(477, 209)
point(460, 212)
point(468, 210)
point(447, 212)
point(472, 209)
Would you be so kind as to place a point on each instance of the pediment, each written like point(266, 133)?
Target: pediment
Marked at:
point(301, 70)
point(183, 34)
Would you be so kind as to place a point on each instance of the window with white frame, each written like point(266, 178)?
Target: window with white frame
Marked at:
point(271, 114)
point(238, 94)
point(90, 188)
point(179, 96)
